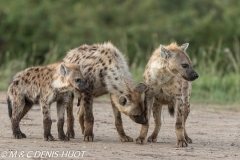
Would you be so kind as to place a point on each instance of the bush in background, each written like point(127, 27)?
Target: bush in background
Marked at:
point(41, 32)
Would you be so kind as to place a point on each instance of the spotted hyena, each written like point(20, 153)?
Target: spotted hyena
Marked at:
point(43, 85)
point(168, 74)
point(106, 71)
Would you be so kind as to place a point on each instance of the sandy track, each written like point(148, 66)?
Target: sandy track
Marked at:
point(215, 135)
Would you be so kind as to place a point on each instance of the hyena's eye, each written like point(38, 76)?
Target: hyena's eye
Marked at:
point(136, 116)
point(185, 65)
point(77, 80)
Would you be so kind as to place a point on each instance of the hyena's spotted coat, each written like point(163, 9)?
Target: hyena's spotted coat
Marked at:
point(44, 85)
point(168, 75)
point(106, 71)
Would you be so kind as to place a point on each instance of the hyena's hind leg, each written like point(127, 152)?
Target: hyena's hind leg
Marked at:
point(118, 123)
point(70, 118)
point(17, 110)
point(27, 107)
point(157, 110)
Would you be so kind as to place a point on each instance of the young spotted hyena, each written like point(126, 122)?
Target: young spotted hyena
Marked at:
point(43, 85)
point(106, 71)
point(169, 74)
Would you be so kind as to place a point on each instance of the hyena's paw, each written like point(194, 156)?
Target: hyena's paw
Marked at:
point(19, 135)
point(152, 138)
point(189, 140)
point(23, 135)
point(48, 137)
point(140, 140)
point(182, 143)
point(63, 137)
point(89, 137)
point(70, 134)
point(126, 139)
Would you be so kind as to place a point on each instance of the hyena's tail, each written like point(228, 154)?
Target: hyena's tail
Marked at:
point(171, 110)
point(9, 107)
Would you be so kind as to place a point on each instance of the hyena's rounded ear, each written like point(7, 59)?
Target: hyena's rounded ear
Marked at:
point(184, 47)
point(64, 70)
point(122, 100)
point(165, 53)
point(141, 87)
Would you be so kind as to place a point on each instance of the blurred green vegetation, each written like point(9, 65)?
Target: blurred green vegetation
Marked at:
point(41, 32)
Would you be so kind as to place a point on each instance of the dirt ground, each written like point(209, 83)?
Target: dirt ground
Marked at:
point(215, 135)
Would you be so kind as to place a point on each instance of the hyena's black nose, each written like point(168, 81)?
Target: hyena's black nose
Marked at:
point(195, 75)
point(85, 87)
point(140, 119)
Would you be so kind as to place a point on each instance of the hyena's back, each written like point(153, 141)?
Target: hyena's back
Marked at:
point(103, 66)
point(31, 82)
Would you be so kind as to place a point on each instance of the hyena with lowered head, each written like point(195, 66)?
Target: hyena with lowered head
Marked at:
point(44, 85)
point(168, 74)
point(106, 71)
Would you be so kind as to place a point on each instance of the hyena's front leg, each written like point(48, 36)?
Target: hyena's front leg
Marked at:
point(186, 89)
point(80, 114)
point(118, 123)
point(60, 114)
point(188, 139)
point(157, 110)
point(47, 122)
point(81, 118)
point(180, 123)
point(144, 130)
point(70, 118)
point(87, 102)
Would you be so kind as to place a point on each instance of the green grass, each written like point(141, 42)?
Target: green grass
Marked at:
point(216, 89)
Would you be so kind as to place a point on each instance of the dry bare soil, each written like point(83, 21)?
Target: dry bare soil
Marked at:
point(215, 135)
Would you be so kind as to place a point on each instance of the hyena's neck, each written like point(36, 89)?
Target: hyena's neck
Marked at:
point(128, 83)
point(130, 87)
point(125, 85)
point(120, 80)
point(59, 83)
point(158, 73)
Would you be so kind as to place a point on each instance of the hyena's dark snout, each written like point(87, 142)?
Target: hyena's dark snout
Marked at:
point(194, 75)
point(83, 87)
point(140, 119)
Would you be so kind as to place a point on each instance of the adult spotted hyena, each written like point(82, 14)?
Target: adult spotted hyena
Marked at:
point(169, 74)
point(106, 71)
point(43, 85)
